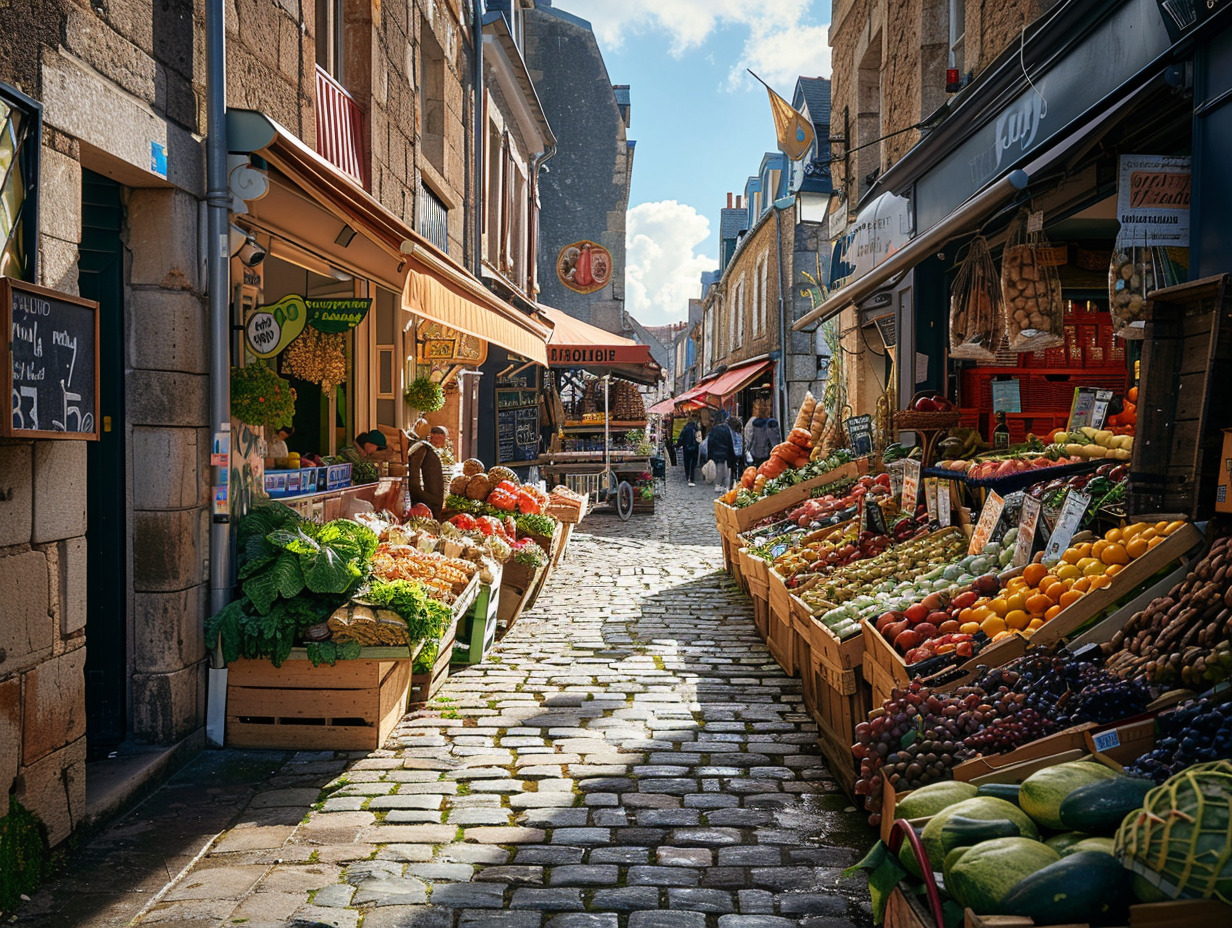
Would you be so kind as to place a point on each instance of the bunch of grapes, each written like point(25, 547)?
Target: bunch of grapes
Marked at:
point(1010, 731)
point(1098, 696)
point(1196, 731)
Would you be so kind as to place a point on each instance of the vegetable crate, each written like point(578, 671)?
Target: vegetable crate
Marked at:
point(351, 706)
point(792, 496)
point(517, 582)
point(757, 575)
point(424, 685)
point(781, 632)
point(837, 699)
point(479, 632)
point(1183, 401)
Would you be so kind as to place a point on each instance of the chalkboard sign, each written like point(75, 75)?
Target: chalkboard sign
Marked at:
point(517, 434)
point(860, 434)
point(51, 368)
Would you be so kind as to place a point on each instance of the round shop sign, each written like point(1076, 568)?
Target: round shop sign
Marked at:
point(584, 266)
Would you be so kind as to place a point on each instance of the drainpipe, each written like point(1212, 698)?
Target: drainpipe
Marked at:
point(782, 372)
point(217, 285)
point(481, 135)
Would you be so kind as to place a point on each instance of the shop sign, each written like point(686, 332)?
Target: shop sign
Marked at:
point(1153, 200)
point(838, 219)
point(584, 266)
point(881, 229)
point(50, 363)
point(860, 435)
point(272, 327)
point(565, 355)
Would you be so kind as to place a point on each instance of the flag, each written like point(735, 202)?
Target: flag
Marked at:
point(795, 132)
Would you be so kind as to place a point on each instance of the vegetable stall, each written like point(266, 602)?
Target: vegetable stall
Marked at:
point(1020, 659)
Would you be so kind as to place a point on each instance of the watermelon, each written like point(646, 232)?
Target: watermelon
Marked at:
point(981, 807)
point(983, 876)
point(1086, 887)
point(929, 800)
point(1063, 842)
point(1043, 791)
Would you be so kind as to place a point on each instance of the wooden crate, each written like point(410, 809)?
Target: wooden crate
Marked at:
point(424, 685)
point(845, 654)
point(1177, 913)
point(780, 632)
point(761, 612)
point(517, 581)
point(351, 706)
point(743, 519)
point(907, 911)
point(1183, 401)
point(477, 630)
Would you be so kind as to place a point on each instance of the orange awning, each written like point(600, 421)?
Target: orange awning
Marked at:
point(712, 392)
point(574, 343)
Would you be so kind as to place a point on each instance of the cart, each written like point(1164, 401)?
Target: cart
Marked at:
point(605, 487)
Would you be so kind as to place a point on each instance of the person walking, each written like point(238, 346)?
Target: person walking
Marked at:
point(762, 435)
point(689, 444)
point(737, 458)
point(720, 448)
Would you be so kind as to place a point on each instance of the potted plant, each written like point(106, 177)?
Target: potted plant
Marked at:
point(260, 398)
point(424, 395)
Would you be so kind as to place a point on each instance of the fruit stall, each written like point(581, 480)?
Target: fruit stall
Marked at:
point(1019, 659)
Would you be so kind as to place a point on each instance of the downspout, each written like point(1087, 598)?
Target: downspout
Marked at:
point(782, 367)
point(217, 285)
point(480, 130)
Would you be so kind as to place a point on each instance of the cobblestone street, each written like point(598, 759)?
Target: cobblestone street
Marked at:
point(630, 757)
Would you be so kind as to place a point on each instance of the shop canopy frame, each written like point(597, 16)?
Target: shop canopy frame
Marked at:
point(574, 344)
point(433, 285)
point(715, 390)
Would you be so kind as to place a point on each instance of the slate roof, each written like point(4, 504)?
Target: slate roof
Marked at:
point(732, 222)
point(815, 92)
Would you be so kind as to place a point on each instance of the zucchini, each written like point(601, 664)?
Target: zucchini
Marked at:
point(1099, 808)
point(1006, 791)
point(1087, 887)
point(960, 831)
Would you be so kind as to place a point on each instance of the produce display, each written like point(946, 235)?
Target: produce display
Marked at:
point(1197, 730)
point(749, 490)
point(1105, 485)
point(1089, 442)
point(999, 466)
point(976, 322)
point(499, 489)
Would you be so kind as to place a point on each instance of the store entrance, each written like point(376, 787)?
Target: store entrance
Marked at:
point(101, 278)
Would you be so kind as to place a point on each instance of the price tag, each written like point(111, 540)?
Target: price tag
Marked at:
point(1035, 222)
point(1026, 531)
point(876, 519)
point(930, 497)
point(911, 485)
point(1090, 407)
point(1072, 510)
point(990, 515)
point(1106, 740)
point(944, 506)
point(1099, 411)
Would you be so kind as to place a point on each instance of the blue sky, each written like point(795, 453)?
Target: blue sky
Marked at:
point(701, 123)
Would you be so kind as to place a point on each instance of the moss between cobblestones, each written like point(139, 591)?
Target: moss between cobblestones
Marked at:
point(314, 857)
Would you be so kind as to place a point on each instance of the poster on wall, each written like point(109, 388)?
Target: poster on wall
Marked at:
point(584, 266)
point(1153, 200)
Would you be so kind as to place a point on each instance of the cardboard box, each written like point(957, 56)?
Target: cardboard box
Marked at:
point(1223, 493)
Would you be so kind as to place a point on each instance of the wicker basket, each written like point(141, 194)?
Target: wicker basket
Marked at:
point(910, 419)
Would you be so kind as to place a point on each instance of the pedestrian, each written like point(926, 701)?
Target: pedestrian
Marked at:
point(762, 435)
point(721, 448)
point(689, 445)
point(737, 458)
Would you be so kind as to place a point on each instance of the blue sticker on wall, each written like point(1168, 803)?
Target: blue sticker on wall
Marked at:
point(158, 159)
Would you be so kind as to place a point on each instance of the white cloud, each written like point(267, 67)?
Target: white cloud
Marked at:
point(662, 267)
point(783, 43)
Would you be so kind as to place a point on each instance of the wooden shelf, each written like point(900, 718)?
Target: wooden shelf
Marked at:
point(615, 424)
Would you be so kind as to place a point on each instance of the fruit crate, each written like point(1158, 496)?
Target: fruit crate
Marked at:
point(781, 633)
point(517, 582)
point(744, 519)
point(1186, 357)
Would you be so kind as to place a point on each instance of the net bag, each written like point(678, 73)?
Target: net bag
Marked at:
point(1135, 271)
point(976, 322)
point(1031, 291)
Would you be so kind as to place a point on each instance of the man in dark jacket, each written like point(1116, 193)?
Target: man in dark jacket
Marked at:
point(721, 448)
point(689, 443)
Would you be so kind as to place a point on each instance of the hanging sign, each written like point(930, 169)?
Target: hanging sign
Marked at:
point(930, 497)
point(990, 515)
point(911, 485)
point(860, 435)
point(584, 266)
point(1026, 531)
point(1072, 511)
point(50, 364)
point(1153, 200)
point(270, 328)
point(942, 504)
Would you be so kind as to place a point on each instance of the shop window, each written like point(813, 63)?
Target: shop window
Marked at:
point(494, 193)
point(431, 96)
point(329, 37)
point(20, 130)
point(431, 217)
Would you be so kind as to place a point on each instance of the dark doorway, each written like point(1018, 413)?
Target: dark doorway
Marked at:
point(101, 278)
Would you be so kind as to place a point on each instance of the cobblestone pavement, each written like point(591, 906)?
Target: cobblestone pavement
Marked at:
point(629, 757)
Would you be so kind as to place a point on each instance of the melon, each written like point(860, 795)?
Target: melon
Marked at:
point(1063, 842)
point(1103, 845)
point(1043, 792)
point(985, 808)
point(982, 877)
point(929, 800)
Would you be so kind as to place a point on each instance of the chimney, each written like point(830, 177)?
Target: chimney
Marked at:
point(729, 196)
point(737, 202)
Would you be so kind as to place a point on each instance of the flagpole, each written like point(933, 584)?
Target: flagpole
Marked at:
point(760, 81)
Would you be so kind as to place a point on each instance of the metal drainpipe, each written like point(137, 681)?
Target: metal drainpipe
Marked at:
point(480, 143)
point(217, 285)
point(782, 378)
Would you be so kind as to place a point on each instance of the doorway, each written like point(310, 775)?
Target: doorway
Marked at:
point(101, 277)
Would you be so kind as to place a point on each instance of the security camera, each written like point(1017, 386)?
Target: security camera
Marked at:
point(250, 253)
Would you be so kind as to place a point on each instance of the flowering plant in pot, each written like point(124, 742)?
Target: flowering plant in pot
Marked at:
point(260, 398)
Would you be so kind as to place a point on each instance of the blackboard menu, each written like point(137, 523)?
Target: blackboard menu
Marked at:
point(517, 434)
point(51, 367)
point(860, 434)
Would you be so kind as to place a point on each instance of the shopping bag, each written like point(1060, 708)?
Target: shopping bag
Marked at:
point(708, 470)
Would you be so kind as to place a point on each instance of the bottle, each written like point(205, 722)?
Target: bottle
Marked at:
point(1001, 434)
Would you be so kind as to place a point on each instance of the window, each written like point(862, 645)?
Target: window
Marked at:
point(431, 217)
point(493, 194)
point(20, 130)
point(708, 339)
point(735, 328)
point(431, 96)
point(758, 321)
point(329, 37)
point(958, 32)
point(764, 280)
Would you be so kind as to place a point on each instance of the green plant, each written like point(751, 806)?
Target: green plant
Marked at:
point(536, 524)
point(260, 398)
point(424, 395)
point(23, 854)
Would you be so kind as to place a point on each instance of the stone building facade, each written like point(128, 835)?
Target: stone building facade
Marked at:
point(104, 545)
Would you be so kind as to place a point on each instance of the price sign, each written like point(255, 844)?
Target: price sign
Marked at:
point(943, 504)
point(876, 519)
point(990, 515)
point(911, 485)
point(1106, 740)
point(930, 497)
point(860, 434)
point(1026, 531)
point(1072, 510)
point(1090, 407)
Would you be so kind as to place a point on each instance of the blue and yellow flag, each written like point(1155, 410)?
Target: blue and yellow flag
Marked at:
point(795, 132)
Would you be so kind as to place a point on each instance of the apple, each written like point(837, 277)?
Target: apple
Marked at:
point(926, 629)
point(917, 612)
point(908, 639)
point(938, 616)
point(893, 630)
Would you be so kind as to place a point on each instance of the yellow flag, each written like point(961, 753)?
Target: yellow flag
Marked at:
point(794, 131)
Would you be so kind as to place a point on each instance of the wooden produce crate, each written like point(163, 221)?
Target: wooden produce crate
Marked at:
point(566, 535)
point(351, 706)
point(517, 581)
point(1177, 913)
point(839, 655)
point(907, 911)
point(424, 685)
point(780, 632)
point(477, 632)
point(745, 518)
point(1183, 401)
point(757, 576)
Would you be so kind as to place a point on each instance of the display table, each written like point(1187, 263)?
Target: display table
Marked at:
point(386, 493)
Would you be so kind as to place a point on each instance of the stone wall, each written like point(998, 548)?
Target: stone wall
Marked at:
point(759, 244)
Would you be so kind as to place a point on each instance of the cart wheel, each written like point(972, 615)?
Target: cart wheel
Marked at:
point(624, 500)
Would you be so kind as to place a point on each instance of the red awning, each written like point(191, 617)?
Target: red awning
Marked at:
point(574, 343)
point(712, 392)
point(662, 408)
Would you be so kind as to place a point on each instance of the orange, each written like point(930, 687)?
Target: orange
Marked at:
point(1082, 584)
point(1115, 554)
point(1101, 581)
point(1034, 573)
point(1068, 572)
point(1039, 603)
point(966, 615)
point(980, 613)
point(1035, 624)
point(1017, 619)
point(1071, 556)
point(992, 626)
point(1069, 597)
point(1113, 570)
point(1136, 548)
point(1054, 589)
point(1017, 602)
point(999, 606)
point(969, 628)
point(1051, 613)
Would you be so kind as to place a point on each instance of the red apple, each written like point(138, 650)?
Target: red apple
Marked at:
point(917, 612)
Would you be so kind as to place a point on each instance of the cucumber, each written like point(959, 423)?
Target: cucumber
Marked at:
point(1086, 887)
point(1006, 791)
point(961, 831)
point(1099, 808)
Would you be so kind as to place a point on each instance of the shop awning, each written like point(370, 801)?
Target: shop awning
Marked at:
point(969, 215)
point(712, 392)
point(662, 408)
point(578, 344)
point(385, 248)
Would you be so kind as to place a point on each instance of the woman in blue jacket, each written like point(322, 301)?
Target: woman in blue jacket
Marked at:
point(689, 443)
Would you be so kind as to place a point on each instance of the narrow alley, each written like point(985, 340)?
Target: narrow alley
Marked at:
point(640, 763)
